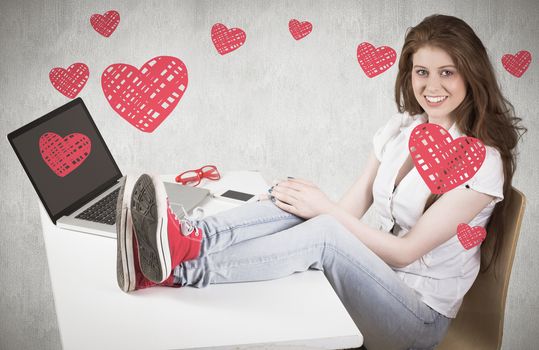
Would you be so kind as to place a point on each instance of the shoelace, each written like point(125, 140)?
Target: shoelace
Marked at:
point(188, 222)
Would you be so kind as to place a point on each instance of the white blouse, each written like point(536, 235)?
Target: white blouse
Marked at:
point(444, 275)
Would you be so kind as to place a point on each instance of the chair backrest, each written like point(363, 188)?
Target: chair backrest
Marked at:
point(479, 322)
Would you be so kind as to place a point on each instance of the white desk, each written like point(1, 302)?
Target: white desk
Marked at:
point(300, 311)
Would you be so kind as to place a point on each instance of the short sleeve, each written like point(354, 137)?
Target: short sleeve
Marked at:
point(385, 134)
point(489, 178)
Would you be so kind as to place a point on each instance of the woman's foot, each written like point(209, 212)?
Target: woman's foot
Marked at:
point(164, 241)
point(128, 272)
point(125, 262)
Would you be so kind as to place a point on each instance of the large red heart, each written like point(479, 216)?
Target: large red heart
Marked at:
point(299, 29)
point(227, 40)
point(145, 97)
point(69, 81)
point(105, 24)
point(470, 237)
point(517, 64)
point(63, 155)
point(375, 60)
point(442, 162)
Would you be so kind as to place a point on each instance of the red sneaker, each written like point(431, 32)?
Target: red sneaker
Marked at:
point(128, 272)
point(164, 241)
point(141, 281)
point(125, 260)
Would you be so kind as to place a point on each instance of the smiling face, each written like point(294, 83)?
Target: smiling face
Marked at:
point(438, 86)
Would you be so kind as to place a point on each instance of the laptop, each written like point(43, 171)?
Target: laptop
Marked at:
point(75, 175)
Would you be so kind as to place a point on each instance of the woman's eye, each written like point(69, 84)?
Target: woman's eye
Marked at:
point(421, 72)
point(447, 73)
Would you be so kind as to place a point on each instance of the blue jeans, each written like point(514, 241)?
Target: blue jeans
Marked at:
point(258, 241)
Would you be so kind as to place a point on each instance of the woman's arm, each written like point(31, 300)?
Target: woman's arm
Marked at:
point(303, 198)
point(437, 225)
point(358, 199)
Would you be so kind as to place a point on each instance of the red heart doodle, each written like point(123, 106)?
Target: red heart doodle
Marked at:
point(227, 40)
point(517, 64)
point(105, 24)
point(442, 162)
point(375, 60)
point(64, 155)
point(299, 29)
point(145, 97)
point(470, 237)
point(69, 81)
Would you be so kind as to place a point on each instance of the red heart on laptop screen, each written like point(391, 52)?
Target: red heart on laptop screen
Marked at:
point(64, 155)
point(442, 162)
point(145, 97)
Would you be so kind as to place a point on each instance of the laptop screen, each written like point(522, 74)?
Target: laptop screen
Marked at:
point(65, 158)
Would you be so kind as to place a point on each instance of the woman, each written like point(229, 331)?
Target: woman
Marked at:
point(402, 288)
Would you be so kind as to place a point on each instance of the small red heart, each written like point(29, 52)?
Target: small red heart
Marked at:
point(517, 64)
point(105, 24)
point(442, 162)
point(375, 60)
point(69, 81)
point(299, 29)
point(64, 155)
point(470, 237)
point(145, 97)
point(227, 40)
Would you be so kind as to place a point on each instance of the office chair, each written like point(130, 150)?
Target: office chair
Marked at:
point(479, 322)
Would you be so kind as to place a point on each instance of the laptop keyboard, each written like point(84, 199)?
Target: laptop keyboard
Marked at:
point(104, 211)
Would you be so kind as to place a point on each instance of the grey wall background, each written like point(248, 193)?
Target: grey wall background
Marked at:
point(281, 106)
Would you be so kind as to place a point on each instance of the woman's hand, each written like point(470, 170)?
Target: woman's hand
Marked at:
point(301, 198)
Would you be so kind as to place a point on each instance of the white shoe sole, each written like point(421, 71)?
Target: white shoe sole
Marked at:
point(125, 261)
point(149, 213)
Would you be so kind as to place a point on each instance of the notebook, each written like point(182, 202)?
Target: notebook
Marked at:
point(74, 173)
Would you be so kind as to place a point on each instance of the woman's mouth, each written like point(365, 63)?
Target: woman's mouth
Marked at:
point(435, 101)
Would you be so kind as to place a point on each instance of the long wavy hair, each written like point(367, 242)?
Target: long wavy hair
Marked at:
point(484, 113)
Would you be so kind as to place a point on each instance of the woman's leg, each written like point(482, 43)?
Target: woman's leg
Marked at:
point(243, 223)
point(164, 241)
point(388, 313)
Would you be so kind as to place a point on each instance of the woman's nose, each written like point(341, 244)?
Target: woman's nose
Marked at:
point(433, 83)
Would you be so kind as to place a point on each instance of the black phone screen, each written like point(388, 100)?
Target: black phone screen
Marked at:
point(241, 196)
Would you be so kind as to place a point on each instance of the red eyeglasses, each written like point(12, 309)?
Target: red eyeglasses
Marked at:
point(193, 177)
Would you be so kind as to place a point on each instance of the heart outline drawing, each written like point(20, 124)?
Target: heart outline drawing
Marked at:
point(227, 40)
point(145, 97)
point(518, 63)
point(470, 237)
point(106, 23)
point(375, 60)
point(442, 162)
point(298, 29)
point(70, 82)
point(64, 154)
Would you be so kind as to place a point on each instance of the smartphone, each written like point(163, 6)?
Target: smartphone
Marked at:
point(235, 196)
